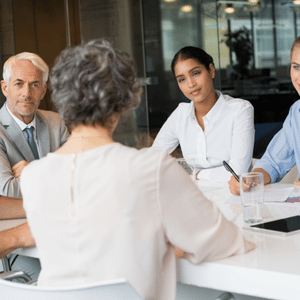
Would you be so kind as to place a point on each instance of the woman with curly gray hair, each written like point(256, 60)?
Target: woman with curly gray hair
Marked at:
point(104, 211)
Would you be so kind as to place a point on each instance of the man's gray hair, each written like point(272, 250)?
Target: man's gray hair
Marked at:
point(92, 82)
point(34, 58)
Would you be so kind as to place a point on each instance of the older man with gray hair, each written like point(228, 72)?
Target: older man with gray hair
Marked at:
point(26, 132)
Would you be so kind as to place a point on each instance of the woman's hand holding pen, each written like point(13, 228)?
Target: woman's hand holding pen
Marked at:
point(234, 186)
point(234, 182)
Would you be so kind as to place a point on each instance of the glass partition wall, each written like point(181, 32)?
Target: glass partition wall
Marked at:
point(250, 46)
point(120, 21)
point(169, 26)
point(249, 40)
point(250, 43)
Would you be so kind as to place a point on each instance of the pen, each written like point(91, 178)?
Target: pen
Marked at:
point(229, 169)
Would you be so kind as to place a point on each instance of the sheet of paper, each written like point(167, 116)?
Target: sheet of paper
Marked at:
point(206, 185)
point(234, 200)
point(277, 195)
point(204, 189)
point(270, 195)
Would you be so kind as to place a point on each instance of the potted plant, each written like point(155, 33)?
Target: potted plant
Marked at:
point(240, 43)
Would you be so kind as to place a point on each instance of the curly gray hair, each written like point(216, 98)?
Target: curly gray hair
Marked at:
point(92, 82)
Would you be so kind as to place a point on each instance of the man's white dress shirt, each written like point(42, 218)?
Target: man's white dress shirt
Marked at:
point(228, 135)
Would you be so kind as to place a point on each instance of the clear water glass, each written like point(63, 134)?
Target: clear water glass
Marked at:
point(252, 193)
point(189, 166)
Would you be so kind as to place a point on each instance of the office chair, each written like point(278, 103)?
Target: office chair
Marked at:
point(105, 290)
point(225, 296)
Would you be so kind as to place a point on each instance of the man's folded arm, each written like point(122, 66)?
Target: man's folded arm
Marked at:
point(11, 208)
point(9, 184)
point(14, 238)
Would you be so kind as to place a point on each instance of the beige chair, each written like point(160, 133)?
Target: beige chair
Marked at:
point(290, 176)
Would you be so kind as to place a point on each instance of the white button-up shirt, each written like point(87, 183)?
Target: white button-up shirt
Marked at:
point(228, 135)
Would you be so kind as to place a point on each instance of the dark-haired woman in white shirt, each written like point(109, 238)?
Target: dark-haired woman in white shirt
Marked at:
point(211, 128)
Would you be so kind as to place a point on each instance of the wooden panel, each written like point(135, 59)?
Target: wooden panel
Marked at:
point(40, 27)
point(24, 26)
point(74, 22)
point(50, 28)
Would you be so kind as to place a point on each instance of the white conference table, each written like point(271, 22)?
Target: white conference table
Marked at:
point(271, 271)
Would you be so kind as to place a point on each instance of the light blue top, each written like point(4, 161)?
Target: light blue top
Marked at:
point(283, 152)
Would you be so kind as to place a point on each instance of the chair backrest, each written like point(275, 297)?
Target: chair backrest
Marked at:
point(290, 177)
point(105, 290)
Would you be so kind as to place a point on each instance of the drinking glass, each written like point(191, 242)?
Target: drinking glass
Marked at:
point(189, 166)
point(252, 193)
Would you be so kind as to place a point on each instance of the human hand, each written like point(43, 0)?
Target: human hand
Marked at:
point(297, 183)
point(23, 236)
point(249, 245)
point(179, 253)
point(18, 168)
point(234, 186)
point(14, 238)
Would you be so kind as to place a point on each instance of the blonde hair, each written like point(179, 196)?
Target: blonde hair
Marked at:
point(34, 58)
point(296, 44)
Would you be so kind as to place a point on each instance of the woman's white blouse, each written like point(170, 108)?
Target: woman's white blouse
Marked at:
point(228, 135)
point(129, 205)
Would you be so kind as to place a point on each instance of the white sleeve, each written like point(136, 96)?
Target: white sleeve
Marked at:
point(167, 138)
point(241, 148)
point(191, 222)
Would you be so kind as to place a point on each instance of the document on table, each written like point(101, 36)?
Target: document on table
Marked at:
point(270, 195)
point(205, 186)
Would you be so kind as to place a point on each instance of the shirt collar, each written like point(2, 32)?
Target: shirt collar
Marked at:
point(191, 110)
point(215, 111)
point(213, 115)
point(20, 123)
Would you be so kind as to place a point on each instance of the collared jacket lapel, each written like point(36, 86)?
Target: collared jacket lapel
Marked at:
point(43, 135)
point(15, 135)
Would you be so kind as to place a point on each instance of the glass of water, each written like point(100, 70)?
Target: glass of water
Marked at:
point(252, 193)
point(188, 165)
point(188, 168)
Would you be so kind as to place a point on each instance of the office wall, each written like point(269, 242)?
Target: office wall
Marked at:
point(38, 27)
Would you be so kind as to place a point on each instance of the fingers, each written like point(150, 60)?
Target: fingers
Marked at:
point(234, 186)
point(297, 183)
point(179, 253)
point(248, 245)
point(18, 168)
